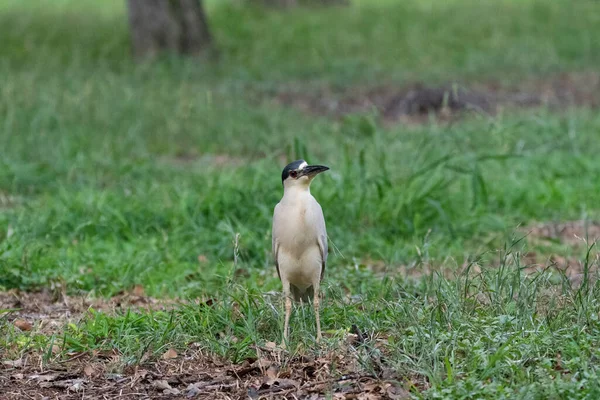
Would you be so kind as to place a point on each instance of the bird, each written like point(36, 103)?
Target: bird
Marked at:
point(299, 240)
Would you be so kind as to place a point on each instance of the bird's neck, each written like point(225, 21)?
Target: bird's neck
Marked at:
point(296, 191)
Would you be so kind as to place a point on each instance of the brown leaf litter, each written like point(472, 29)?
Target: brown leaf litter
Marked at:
point(273, 374)
point(189, 374)
point(415, 102)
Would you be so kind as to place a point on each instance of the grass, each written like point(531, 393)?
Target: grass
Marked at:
point(114, 175)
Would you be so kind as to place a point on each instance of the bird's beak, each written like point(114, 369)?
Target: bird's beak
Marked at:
point(313, 170)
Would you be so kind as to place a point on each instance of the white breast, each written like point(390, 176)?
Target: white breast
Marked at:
point(295, 225)
point(299, 238)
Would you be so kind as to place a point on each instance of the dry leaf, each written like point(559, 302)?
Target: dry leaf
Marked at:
point(16, 363)
point(281, 384)
point(397, 393)
point(192, 390)
point(138, 290)
point(272, 372)
point(145, 357)
point(43, 378)
point(162, 384)
point(352, 339)
point(235, 312)
point(89, 370)
point(76, 386)
point(22, 324)
point(140, 374)
point(271, 345)
point(262, 364)
point(169, 354)
point(55, 349)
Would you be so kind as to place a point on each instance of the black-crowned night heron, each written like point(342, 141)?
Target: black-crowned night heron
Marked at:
point(299, 239)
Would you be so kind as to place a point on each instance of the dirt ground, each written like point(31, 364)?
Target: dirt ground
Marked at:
point(198, 375)
point(556, 246)
point(193, 375)
point(415, 103)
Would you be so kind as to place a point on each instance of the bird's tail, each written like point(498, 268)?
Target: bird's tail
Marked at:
point(302, 295)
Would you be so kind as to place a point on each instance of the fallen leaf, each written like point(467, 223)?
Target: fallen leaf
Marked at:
point(558, 362)
point(89, 370)
point(397, 393)
point(278, 384)
point(173, 391)
point(138, 290)
point(55, 349)
point(169, 354)
point(22, 324)
point(145, 357)
point(16, 363)
point(271, 345)
point(272, 372)
point(141, 374)
point(106, 354)
point(76, 386)
point(43, 378)
point(352, 339)
point(262, 363)
point(162, 384)
point(192, 390)
point(235, 311)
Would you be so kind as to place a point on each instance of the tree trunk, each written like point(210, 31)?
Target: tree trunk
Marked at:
point(176, 26)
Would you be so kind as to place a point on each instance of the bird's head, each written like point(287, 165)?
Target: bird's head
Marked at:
point(300, 174)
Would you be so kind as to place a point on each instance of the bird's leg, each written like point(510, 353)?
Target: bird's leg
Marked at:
point(288, 311)
point(317, 316)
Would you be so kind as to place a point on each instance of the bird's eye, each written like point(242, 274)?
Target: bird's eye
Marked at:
point(294, 174)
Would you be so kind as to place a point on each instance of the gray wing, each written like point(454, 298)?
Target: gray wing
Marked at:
point(274, 241)
point(322, 238)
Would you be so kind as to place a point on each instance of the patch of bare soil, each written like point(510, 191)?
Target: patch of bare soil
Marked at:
point(577, 235)
point(572, 233)
point(415, 103)
point(47, 311)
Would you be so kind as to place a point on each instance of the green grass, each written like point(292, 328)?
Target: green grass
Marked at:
point(109, 178)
